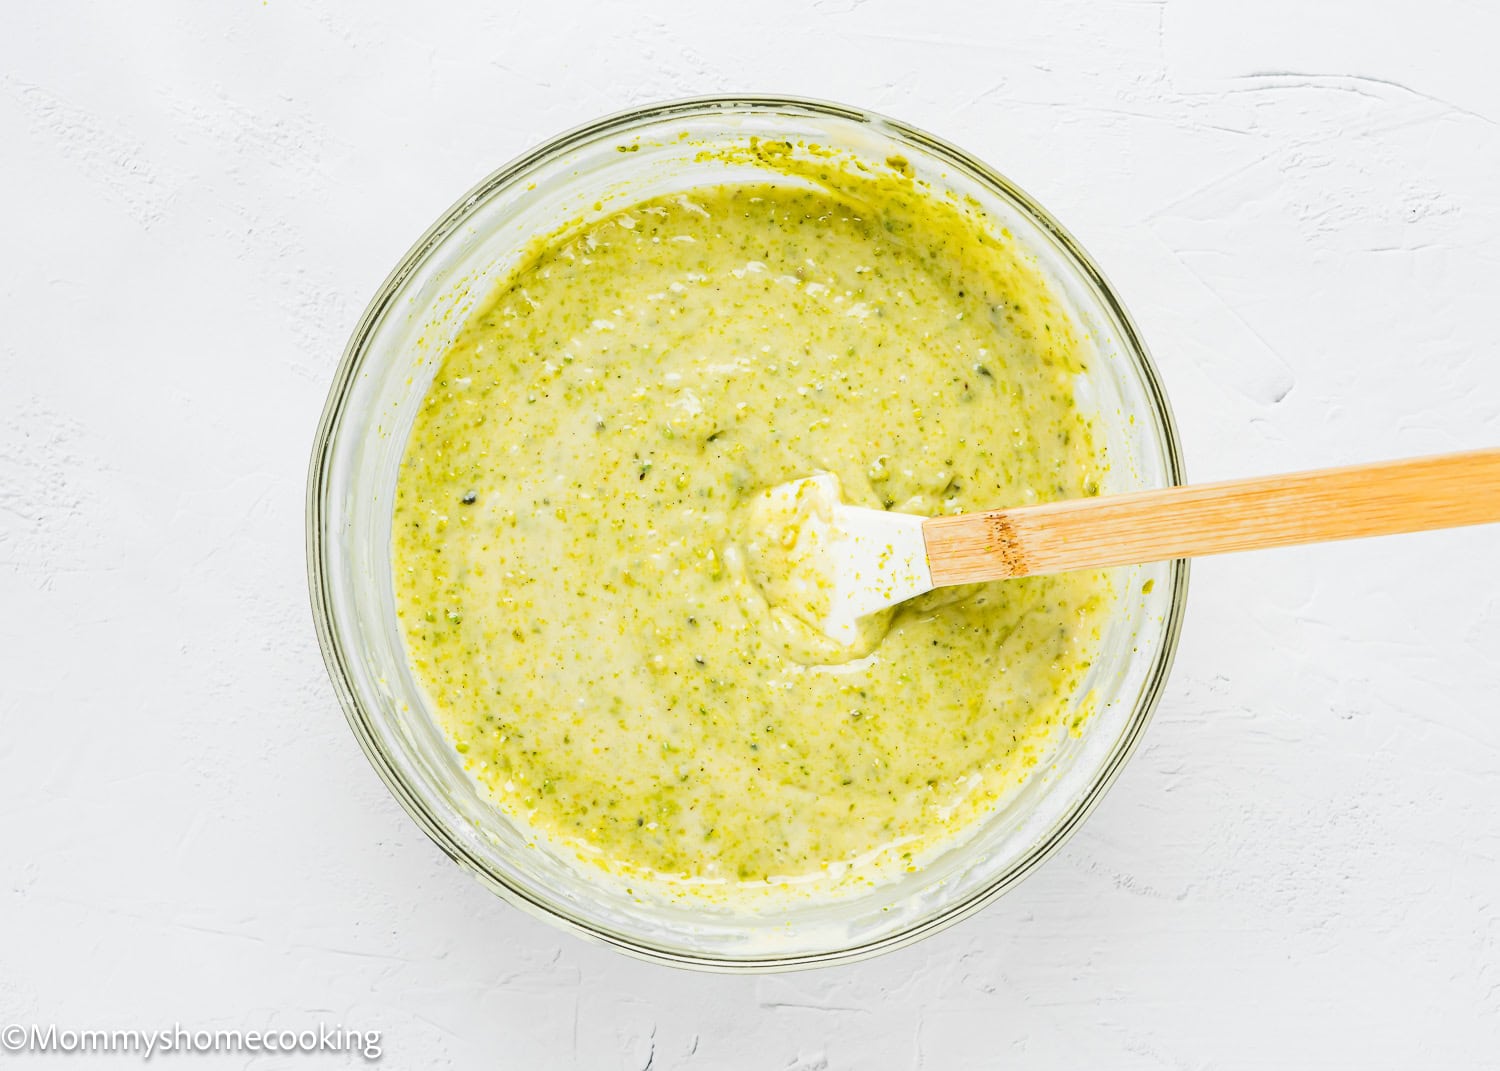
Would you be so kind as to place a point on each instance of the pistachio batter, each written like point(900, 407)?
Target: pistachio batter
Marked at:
point(569, 541)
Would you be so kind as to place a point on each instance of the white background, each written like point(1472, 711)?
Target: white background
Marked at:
point(1302, 864)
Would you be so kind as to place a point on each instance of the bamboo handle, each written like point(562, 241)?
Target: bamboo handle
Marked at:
point(1190, 522)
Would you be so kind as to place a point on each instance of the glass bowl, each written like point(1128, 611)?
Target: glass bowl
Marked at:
point(392, 358)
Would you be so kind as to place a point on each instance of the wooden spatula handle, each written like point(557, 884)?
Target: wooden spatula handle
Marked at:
point(1189, 522)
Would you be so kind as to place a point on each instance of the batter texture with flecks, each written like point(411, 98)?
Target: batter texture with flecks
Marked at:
point(569, 534)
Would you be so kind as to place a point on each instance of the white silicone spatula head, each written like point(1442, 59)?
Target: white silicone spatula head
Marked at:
point(837, 563)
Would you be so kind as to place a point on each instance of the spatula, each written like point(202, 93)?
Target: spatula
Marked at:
point(860, 561)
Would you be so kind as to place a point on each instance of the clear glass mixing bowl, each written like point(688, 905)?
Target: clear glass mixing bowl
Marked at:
point(386, 370)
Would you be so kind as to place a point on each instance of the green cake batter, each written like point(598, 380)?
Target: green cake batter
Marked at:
point(569, 575)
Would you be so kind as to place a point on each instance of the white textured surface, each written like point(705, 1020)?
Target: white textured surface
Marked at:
point(1300, 207)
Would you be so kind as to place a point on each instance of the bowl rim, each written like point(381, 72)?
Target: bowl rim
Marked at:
point(317, 532)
